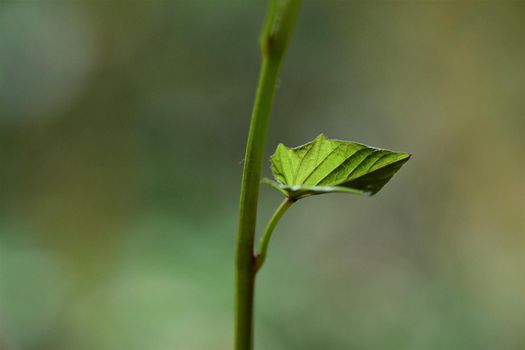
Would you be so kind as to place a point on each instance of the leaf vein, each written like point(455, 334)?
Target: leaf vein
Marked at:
point(321, 162)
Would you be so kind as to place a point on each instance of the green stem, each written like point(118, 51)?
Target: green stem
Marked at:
point(267, 235)
point(245, 279)
point(274, 40)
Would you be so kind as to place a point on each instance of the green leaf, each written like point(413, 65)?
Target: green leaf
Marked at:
point(327, 166)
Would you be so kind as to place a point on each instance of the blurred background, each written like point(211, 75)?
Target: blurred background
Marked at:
point(122, 133)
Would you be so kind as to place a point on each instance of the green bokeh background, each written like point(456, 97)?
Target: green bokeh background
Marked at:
point(122, 129)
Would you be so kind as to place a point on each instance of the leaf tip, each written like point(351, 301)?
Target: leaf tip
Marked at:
point(280, 146)
point(407, 156)
point(321, 136)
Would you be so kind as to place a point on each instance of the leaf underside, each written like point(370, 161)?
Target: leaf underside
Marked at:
point(327, 166)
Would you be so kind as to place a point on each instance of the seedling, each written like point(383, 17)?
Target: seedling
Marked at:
point(318, 167)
